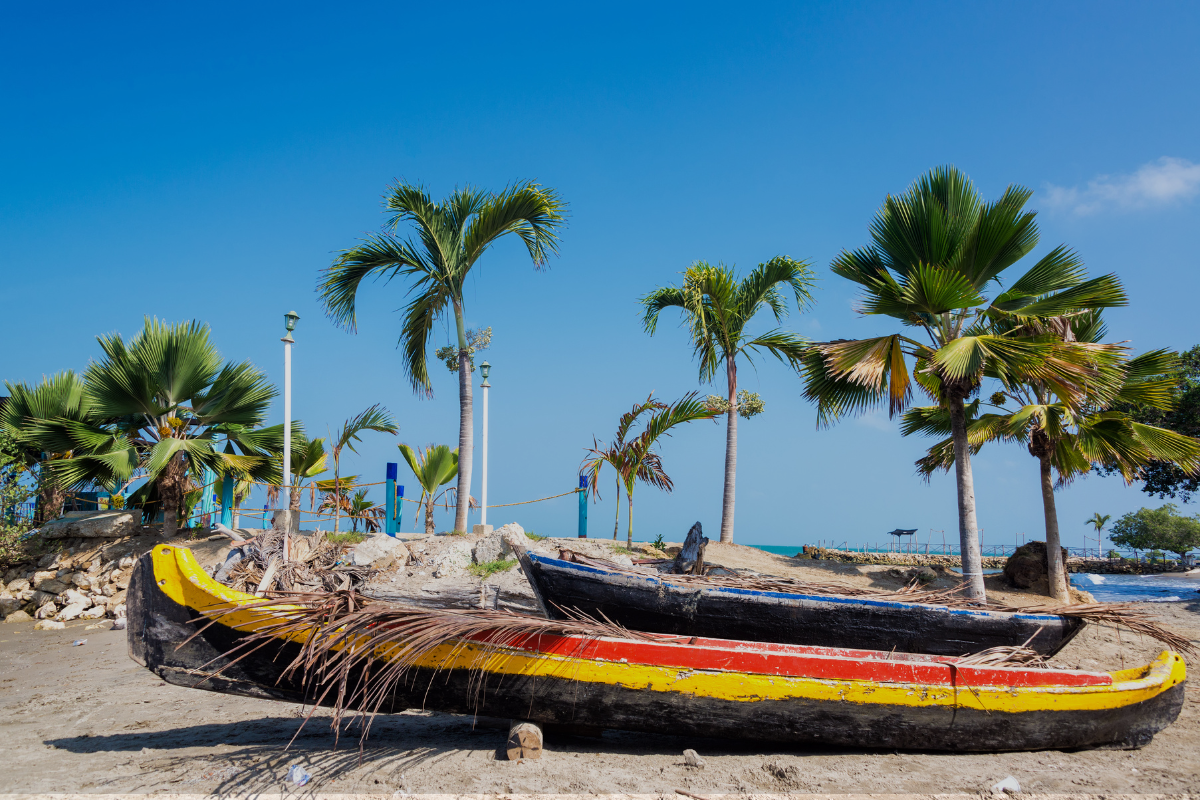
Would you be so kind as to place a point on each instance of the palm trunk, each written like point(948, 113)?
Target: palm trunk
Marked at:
point(171, 483)
point(617, 518)
point(337, 492)
point(730, 454)
point(294, 501)
point(429, 526)
point(1055, 569)
point(52, 499)
point(629, 527)
point(466, 430)
point(968, 528)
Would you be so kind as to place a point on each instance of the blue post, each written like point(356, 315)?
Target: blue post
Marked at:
point(389, 525)
point(583, 482)
point(227, 501)
point(266, 522)
point(399, 506)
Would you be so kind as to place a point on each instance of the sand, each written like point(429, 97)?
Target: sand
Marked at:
point(87, 719)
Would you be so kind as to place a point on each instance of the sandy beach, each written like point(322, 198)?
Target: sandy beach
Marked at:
point(87, 719)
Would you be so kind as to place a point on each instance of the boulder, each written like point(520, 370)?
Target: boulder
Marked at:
point(108, 590)
point(48, 625)
point(490, 548)
point(94, 525)
point(42, 575)
point(71, 597)
point(378, 551)
point(95, 612)
point(17, 586)
point(38, 597)
point(1027, 566)
point(46, 611)
point(18, 616)
point(70, 612)
point(52, 586)
point(9, 604)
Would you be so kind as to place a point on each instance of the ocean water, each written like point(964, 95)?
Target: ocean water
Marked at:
point(1142, 588)
point(780, 549)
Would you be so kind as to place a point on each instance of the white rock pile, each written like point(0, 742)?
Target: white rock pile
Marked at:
point(59, 590)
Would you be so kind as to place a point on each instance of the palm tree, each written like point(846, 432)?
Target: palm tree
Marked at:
point(451, 236)
point(308, 461)
point(375, 418)
point(1068, 440)
point(162, 402)
point(433, 467)
point(638, 459)
point(59, 397)
point(1098, 521)
point(936, 249)
point(363, 509)
point(717, 308)
point(615, 455)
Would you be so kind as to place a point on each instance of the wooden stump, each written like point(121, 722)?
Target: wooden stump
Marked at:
point(524, 740)
point(691, 557)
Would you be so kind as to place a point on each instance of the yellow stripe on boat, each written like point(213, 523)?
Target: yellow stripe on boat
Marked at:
point(180, 578)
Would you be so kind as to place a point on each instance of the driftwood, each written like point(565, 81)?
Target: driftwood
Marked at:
point(690, 560)
point(524, 740)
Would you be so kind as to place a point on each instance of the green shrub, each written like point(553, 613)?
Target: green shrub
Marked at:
point(535, 537)
point(1115, 554)
point(491, 567)
point(659, 543)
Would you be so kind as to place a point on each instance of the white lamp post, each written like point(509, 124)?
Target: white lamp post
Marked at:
point(483, 527)
point(289, 320)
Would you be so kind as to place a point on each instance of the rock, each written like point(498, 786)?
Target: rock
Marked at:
point(93, 525)
point(39, 598)
point(42, 575)
point(925, 575)
point(70, 612)
point(47, 611)
point(47, 560)
point(1010, 783)
point(118, 624)
point(692, 759)
point(489, 548)
point(17, 586)
point(95, 612)
point(71, 597)
point(48, 625)
point(18, 616)
point(8, 605)
point(122, 582)
point(79, 579)
point(1027, 566)
point(109, 590)
point(379, 551)
point(51, 585)
point(117, 599)
point(117, 611)
point(127, 562)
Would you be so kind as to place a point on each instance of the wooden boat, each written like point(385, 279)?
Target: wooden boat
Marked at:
point(663, 603)
point(672, 685)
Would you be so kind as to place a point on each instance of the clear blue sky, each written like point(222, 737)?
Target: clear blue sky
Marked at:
point(206, 162)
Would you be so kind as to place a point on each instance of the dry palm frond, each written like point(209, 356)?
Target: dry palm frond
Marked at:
point(316, 564)
point(1007, 656)
point(357, 651)
point(1126, 615)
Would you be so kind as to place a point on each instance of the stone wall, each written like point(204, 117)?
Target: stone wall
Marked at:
point(900, 559)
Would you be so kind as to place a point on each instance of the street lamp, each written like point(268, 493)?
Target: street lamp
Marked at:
point(484, 369)
point(289, 321)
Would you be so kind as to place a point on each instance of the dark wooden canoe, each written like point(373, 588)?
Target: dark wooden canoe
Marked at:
point(648, 601)
point(709, 687)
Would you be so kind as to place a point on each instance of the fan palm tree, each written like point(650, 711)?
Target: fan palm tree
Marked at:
point(162, 401)
point(309, 460)
point(615, 454)
point(375, 418)
point(433, 467)
point(1098, 521)
point(637, 458)
point(717, 308)
point(28, 408)
point(451, 236)
point(936, 250)
point(364, 509)
point(1068, 441)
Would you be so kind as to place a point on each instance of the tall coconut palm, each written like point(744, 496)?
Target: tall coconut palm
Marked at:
point(28, 408)
point(638, 459)
point(451, 236)
point(163, 401)
point(935, 251)
point(1098, 522)
point(375, 418)
point(615, 455)
point(717, 309)
point(433, 467)
point(1068, 440)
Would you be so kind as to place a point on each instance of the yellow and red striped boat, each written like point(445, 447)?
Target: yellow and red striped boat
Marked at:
point(706, 687)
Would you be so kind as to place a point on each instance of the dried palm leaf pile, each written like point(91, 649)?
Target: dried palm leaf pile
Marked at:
point(316, 564)
point(346, 635)
point(1125, 615)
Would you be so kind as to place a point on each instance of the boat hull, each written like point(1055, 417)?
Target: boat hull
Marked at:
point(720, 689)
point(653, 603)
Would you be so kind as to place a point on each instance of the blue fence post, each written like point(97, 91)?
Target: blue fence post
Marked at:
point(583, 482)
point(389, 526)
point(266, 522)
point(227, 501)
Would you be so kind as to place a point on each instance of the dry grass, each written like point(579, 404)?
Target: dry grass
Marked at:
point(315, 565)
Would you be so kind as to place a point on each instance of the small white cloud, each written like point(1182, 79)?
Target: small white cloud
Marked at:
point(1158, 183)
